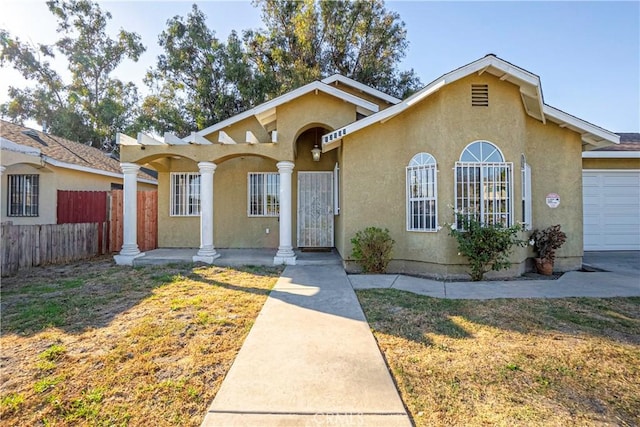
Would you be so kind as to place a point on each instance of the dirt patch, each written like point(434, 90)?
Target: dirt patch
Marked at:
point(527, 362)
point(97, 344)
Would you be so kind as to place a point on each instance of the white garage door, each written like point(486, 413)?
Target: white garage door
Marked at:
point(611, 210)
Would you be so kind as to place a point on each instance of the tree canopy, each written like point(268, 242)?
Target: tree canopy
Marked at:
point(199, 79)
point(93, 105)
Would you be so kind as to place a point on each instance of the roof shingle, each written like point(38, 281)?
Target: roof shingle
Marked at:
point(63, 150)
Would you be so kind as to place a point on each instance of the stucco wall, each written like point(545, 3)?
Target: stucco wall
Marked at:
point(443, 125)
point(232, 226)
point(611, 163)
point(51, 180)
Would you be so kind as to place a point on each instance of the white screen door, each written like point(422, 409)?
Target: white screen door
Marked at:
point(315, 209)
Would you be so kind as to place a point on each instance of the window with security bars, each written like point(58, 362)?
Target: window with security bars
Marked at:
point(185, 194)
point(526, 193)
point(23, 195)
point(422, 193)
point(263, 194)
point(483, 185)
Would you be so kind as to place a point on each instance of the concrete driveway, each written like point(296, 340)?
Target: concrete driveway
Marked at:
point(623, 262)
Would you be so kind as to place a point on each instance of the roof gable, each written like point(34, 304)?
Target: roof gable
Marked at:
point(530, 91)
point(266, 113)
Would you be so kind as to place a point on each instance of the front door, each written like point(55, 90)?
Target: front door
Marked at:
point(315, 209)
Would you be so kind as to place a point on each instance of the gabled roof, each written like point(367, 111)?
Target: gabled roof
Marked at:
point(361, 87)
point(265, 113)
point(629, 148)
point(530, 91)
point(62, 152)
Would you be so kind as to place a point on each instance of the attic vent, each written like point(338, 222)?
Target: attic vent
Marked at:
point(480, 95)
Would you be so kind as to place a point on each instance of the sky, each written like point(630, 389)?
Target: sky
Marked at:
point(587, 54)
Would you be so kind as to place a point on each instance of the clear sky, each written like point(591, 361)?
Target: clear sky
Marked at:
point(587, 54)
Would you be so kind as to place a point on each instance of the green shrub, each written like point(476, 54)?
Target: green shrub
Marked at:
point(372, 249)
point(487, 247)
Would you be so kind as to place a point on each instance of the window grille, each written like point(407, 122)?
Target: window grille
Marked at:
point(23, 195)
point(480, 95)
point(185, 194)
point(263, 194)
point(483, 188)
point(526, 194)
point(422, 213)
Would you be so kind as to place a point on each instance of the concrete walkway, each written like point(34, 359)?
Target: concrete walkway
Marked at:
point(309, 360)
point(570, 284)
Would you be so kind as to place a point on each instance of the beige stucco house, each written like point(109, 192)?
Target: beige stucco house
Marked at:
point(611, 196)
point(34, 165)
point(314, 166)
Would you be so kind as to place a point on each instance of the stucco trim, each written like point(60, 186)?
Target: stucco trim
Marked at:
point(610, 170)
point(530, 87)
point(611, 154)
point(9, 145)
point(287, 97)
point(361, 87)
point(64, 165)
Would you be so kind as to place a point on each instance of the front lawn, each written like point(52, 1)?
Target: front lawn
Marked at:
point(97, 344)
point(529, 362)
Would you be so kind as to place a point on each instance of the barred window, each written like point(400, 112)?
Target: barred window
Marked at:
point(422, 193)
point(23, 195)
point(185, 194)
point(526, 193)
point(483, 184)
point(263, 194)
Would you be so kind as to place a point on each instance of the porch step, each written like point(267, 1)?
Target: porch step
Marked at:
point(235, 257)
point(329, 257)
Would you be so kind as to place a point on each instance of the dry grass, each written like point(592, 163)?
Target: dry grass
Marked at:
point(97, 344)
point(511, 362)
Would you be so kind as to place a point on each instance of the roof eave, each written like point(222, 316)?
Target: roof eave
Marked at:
point(592, 136)
point(71, 166)
point(287, 97)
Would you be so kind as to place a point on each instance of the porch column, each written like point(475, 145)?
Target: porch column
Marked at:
point(207, 252)
point(285, 253)
point(2, 169)
point(129, 249)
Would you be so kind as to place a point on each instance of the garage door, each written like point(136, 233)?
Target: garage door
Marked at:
point(611, 210)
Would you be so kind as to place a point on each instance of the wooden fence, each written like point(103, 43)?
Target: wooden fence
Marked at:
point(147, 213)
point(25, 246)
point(82, 206)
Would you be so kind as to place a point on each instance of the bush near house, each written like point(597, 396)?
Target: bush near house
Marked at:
point(372, 249)
point(486, 246)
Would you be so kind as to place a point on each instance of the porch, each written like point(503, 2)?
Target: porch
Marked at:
point(235, 257)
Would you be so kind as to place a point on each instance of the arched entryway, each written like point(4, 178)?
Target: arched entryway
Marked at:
point(314, 190)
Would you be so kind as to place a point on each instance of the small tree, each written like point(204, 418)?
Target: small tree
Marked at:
point(487, 247)
point(372, 249)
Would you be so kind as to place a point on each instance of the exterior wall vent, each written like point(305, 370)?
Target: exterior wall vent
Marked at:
point(480, 95)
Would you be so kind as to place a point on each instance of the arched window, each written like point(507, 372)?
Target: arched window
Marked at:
point(422, 189)
point(483, 184)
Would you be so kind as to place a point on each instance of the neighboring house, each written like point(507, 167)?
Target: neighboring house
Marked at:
point(611, 193)
point(314, 166)
point(34, 165)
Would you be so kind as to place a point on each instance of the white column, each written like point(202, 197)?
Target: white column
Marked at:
point(2, 169)
point(285, 253)
point(207, 252)
point(129, 249)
